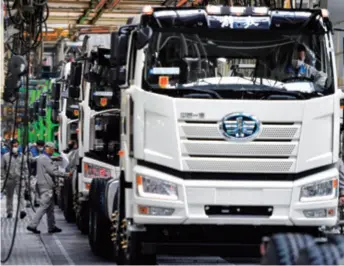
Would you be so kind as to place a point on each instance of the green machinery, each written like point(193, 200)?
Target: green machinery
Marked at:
point(43, 109)
point(21, 108)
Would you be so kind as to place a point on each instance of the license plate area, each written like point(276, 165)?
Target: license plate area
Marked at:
point(212, 210)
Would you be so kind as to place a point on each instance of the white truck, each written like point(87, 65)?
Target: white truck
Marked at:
point(68, 117)
point(212, 154)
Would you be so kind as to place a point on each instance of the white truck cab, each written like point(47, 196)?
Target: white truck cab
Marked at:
point(69, 114)
point(213, 150)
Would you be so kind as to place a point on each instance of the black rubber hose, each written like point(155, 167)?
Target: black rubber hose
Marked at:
point(24, 140)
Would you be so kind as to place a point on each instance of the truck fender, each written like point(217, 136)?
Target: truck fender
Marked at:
point(111, 190)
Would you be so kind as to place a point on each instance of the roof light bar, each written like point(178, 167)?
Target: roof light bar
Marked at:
point(260, 10)
point(213, 10)
point(237, 10)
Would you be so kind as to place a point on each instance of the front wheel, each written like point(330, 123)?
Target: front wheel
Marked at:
point(82, 217)
point(68, 211)
point(131, 245)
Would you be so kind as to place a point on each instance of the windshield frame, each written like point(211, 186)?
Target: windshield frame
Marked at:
point(325, 44)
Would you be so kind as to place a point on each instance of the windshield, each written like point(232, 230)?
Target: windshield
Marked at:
point(245, 60)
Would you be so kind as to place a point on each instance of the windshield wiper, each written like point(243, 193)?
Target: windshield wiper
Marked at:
point(266, 88)
point(207, 91)
point(297, 78)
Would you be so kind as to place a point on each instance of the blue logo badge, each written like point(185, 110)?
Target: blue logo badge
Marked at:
point(239, 127)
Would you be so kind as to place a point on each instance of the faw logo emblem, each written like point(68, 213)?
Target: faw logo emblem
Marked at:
point(76, 112)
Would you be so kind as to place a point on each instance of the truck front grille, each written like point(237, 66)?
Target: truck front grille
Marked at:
point(204, 149)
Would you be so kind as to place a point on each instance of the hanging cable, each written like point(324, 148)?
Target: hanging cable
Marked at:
point(11, 147)
point(29, 22)
point(25, 143)
point(22, 18)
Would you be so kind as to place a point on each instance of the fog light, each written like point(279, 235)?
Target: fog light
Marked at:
point(315, 213)
point(318, 213)
point(157, 211)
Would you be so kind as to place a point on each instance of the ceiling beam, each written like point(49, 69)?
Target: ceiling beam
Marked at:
point(99, 9)
point(113, 4)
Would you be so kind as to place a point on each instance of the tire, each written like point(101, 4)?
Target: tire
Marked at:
point(99, 225)
point(60, 197)
point(68, 210)
point(326, 254)
point(283, 249)
point(337, 240)
point(132, 254)
point(82, 218)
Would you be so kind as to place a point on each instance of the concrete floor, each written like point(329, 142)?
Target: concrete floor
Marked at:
point(67, 248)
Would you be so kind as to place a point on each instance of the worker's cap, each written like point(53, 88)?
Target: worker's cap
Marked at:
point(40, 142)
point(301, 48)
point(14, 141)
point(50, 145)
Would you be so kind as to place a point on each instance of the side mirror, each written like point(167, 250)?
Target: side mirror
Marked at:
point(143, 36)
point(54, 116)
point(103, 57)
point(75, 80)
point(43, 101)
point(35, 107)
point(56, 91)
point(118, 76)
point(121, 58)
point(114, 47)
point(55, 105)
point(42, 112)
point(31, 114)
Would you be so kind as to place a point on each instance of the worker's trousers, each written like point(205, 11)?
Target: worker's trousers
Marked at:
point(46, 207)
point(12, 186)
point(34, 189)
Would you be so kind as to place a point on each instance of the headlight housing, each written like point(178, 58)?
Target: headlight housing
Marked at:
point(321, 190)
point(149, 187)
point(94, 171)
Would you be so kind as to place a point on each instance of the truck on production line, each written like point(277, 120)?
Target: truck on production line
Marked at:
point(213, 153)
point(68, 114)
point(99, 142)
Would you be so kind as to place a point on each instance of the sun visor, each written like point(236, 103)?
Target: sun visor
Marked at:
point(184, 18)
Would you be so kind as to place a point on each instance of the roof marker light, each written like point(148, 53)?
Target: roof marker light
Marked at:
point(260, 10)
point(213, 10)
point(147, 10)
point(324, 13)
point(238, 10)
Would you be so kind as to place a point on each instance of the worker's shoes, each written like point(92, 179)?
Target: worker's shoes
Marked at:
point(9, 215)
point(55, 230)
point(33, 230)
point(22, 215)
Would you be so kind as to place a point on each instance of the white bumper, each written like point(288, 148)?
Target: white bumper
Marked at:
point(193, 195)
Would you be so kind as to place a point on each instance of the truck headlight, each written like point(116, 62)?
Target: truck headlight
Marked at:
point(319, 190)
point(156, 188)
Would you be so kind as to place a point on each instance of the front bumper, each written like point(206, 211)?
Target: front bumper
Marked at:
point(194, 195)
